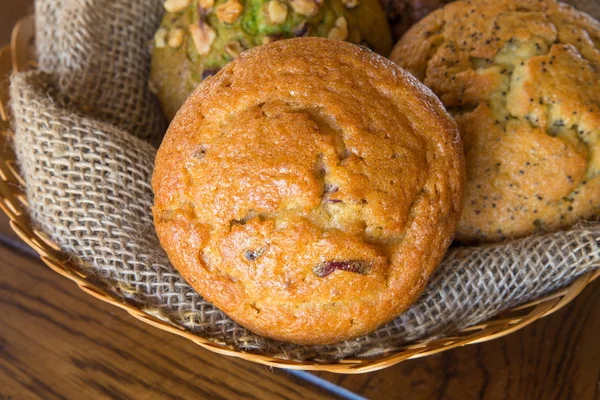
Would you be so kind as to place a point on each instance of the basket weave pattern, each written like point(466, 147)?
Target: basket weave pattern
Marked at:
point(383, 348)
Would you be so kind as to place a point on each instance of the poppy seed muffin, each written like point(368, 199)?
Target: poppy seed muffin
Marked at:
point(522, 79)
point(198, 37)
point(309, 189)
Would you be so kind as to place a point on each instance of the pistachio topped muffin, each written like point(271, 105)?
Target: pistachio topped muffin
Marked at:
point(198, 37)
point(522, 79)
point(292, 209)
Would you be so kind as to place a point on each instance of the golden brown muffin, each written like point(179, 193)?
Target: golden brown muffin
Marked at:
point(309, 189)
point(198, 37)
point(522, 79)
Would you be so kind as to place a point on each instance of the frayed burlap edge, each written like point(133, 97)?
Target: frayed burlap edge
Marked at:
point(88, 184)
point(83, 126)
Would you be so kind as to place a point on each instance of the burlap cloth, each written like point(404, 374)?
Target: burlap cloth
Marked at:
point(86, 130)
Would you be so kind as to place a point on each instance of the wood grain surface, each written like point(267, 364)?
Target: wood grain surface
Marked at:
point(557, 357)
point(10, 11)
point(58, 342)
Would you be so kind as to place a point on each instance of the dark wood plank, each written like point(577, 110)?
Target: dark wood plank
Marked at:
point(557, 357)
point(58, 342)
point(10, 12)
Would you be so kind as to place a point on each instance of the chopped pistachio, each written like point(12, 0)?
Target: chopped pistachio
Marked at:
point(230, 11)
point(175, 37)
point(175, 5)
point(203, 37)
point(340, 30)
point(307, 8)
point(160, 38)
point(233, 49)
point(206, 4)
point(277, 12)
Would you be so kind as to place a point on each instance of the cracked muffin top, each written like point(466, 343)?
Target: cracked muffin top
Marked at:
point(198, 37)
point(309, 189)
point(522, 79)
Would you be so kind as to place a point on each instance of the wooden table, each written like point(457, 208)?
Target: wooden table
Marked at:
point(58, 342)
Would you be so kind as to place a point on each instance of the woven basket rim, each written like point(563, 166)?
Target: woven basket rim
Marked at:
point(20, 56)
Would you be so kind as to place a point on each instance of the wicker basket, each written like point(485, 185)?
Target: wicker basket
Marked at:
point(20, 56)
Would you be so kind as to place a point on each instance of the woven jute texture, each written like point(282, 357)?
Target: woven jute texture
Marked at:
point(86, 129)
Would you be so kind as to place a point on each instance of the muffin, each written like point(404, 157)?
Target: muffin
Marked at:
point(198, 37)
point(309, 189)
point(522, 79)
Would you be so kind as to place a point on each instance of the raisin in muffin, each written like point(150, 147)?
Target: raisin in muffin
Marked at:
point(522, 79)
point(198, 37)
point(309, 189)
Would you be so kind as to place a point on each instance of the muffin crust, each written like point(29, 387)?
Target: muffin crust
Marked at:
point(309, 189)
